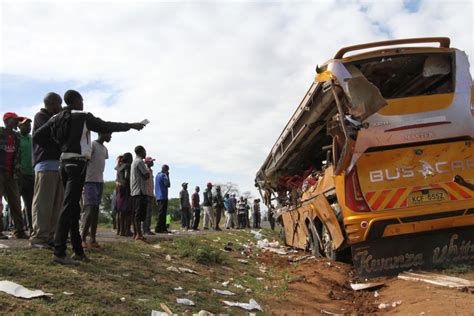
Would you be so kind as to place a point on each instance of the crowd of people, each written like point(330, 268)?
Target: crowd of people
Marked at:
point(59, 173)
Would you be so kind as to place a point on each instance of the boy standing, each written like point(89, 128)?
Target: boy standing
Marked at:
point(93, 188)
point(139, 175)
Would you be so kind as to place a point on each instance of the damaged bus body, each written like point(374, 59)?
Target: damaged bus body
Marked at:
point(366, 164)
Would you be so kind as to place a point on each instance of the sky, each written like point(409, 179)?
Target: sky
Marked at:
point(218, 80)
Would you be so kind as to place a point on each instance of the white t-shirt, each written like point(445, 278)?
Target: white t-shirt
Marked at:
point(96, 165)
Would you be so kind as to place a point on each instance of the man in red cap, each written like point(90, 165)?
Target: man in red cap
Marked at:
point(27, 180)
point(10, 170)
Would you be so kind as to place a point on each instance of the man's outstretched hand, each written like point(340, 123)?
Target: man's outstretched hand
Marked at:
point(137, 126)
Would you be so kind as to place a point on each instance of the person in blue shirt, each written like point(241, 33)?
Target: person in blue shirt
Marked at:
point(162, 183)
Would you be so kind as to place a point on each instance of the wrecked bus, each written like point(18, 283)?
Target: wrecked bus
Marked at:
point(366, 165)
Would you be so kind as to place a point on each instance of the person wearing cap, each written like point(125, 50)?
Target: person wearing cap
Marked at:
point(185, 206)
point(27, 180)
point(48, 191)
point(207, 207)
point(71, 130)
point(139, 175)
point(10, 170)
point(150, 192)
point(195, 200)
point(93, 188)
point(218, 203)
point(162, 183)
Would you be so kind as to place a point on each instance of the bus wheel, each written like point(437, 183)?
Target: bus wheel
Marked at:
point(329, 252)
point(314, 241)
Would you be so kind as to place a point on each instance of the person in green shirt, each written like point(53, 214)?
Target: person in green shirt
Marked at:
point(168, 221)
point(27, 180)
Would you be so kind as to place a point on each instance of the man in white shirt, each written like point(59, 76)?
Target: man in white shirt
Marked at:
point(93, 188)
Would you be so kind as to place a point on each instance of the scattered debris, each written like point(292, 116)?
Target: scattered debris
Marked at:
point(328, 312)
point(251, 305)
point(203, 313)
point(299, 278)
point(260, 279)
point(297, 259)
point(126, 274)
point(365, 286)
point(146, 255)
point(437, 279)
point(257, 234)
point(18, 290)
point(168, 258)
point(68, 293)
point(394, 304)
point(173, 269)
point(225, 283)
point(178, 288)
point(157, 313)
point(223, 292)
point(122, 299)
point(248, 291)
point(185, 301)
point(273, 246)
point(166, 308)
point(191, 293)
point(376, 294)
point(243, 261)
point(188, 270)
point(3, 246)
point(239, 286)
point(157, 246)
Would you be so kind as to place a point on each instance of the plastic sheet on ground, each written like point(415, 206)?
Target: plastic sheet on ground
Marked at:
point(251, 305)
point(18, 290)
point(185, 301)
point(273, 246)
point(223, 292)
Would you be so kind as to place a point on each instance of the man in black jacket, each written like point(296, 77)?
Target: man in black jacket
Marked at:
point(48, 189)
point(76, 148)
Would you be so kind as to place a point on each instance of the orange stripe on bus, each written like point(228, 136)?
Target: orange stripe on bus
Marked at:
point(380, 199)
point(395, 198)
point(368, 195)
point(459, 190)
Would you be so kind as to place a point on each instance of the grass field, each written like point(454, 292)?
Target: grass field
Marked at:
point(132, 278)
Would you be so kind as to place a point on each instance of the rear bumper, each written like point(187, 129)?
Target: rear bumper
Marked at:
point(428, 250)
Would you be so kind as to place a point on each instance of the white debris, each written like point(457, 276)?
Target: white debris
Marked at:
point(157, 313)
point(364, 286)
point(185, 301)
point(18, 290)
point(3, 246)
point(168, 258)
point(251, 305)
point(188, 270)
point(157, 246)
point(239, 286)
point(68, 293)
point(223, 292)
point(257, 234)
point(122, 299)
point(178, 288)
point(243, 261)
point(395, 304)
point(173, 269)
point(225, 283)
point(376, 294)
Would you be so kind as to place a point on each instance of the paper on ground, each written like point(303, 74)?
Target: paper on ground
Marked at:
point(185, 301)
point(223, 292)
point(18, 290)
point(251, 305)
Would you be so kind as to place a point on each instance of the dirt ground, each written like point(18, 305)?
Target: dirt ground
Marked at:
point(318, 286)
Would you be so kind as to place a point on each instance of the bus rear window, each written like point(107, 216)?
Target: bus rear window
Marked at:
point(409, 75)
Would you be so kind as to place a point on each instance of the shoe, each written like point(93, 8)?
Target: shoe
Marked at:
point(218, 229)
point(41, 245)
point(82, 258)
point(94, 245)
point(65, 261)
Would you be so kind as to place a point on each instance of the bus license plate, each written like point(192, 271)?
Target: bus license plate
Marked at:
point(427, 196)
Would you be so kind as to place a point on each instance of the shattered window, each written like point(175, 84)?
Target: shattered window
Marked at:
point(409, 75)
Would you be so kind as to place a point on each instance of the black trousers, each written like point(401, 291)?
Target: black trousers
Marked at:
point(197, 217)
point(185, 217)
point(161, 219)
point(27, 186)
point(73, 174)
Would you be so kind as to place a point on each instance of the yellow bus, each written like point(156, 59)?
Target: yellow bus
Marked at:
point(367, 163)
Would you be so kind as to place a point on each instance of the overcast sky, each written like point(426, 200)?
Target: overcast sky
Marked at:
point(218, 80)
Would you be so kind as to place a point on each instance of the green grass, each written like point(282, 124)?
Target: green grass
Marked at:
point(131, 278)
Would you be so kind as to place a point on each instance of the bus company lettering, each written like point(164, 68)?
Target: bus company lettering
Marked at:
point(369, 264)
point(456, 250)
point(425, 169)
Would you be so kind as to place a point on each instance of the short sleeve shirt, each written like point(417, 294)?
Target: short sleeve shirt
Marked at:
point(138, 183)
point(96, 165)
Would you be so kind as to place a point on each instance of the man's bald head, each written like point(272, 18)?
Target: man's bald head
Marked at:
point(52, 102)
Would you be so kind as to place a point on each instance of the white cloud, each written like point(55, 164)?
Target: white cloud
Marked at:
point(217, 80)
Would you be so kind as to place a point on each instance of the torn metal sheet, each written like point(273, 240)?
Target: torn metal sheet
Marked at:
point(436, 279)
point(20, 291)
point(366, 286)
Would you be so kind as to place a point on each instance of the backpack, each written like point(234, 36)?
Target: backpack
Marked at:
point(60, 127)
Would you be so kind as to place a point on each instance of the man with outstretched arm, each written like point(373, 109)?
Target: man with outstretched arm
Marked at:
point(71, 129)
